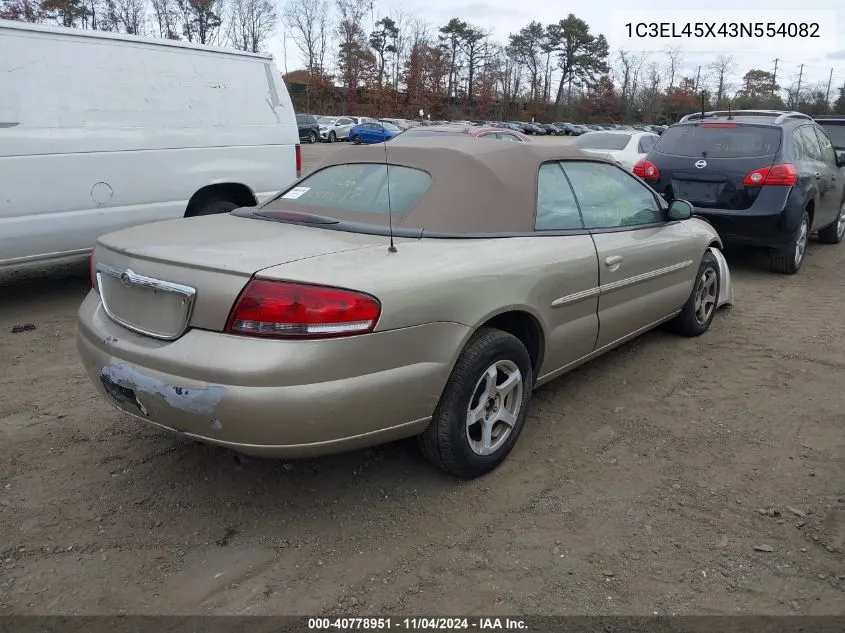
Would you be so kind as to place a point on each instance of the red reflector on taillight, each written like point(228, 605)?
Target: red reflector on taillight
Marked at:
point(298, 160)
point(719, 125)
point(281, 309)
point(646, 169)
point(784, 174)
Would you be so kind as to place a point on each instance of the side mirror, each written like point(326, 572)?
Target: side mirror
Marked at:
point(840, 158)
point(680, 209)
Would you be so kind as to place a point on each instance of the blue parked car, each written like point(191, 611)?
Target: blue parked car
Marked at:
point(373, 132)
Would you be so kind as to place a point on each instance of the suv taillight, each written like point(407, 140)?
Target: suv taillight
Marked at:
point(646, 169)
point(783, 174)
point(298, 160)
point(282, 309)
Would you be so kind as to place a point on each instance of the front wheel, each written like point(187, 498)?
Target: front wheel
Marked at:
point(788, 260)
point(312, 138)
point(483, 407)
point(356, 139)
point(834, 233)
point(332, 137)
point(697, 314)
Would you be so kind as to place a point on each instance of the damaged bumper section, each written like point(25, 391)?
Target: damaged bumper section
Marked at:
point(268, 397)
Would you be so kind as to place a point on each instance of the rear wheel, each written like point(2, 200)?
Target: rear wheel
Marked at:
point(697, 314)
point(834, 233)
point(483, 408)
point(213, 207)
point(789, 259)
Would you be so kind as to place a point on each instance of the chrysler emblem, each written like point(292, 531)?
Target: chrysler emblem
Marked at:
point(701, 164)
point(126, 279)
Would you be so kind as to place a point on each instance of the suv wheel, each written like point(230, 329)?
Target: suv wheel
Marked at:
point(332, 137)
point(789, 259)
point(834, 233)
point(312, 138)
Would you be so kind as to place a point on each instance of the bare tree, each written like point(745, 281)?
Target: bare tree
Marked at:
point(650, 92)
point(674, 58)
point(629, 72)
point(307, 21)
point(721, 68)
point(252, 23)
point(22, 10)
point(131, 15)
point(166, 18)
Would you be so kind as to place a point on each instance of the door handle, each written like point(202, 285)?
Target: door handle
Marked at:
point(613, 261)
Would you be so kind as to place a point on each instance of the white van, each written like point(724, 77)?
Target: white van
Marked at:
point(100, 131)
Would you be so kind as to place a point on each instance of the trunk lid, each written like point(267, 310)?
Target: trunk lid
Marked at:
point(159, 279)
point(706, 163)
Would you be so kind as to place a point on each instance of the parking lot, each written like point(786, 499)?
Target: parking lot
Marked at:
point(670, 476)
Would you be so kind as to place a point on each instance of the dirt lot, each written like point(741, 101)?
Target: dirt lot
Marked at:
point(643, 483)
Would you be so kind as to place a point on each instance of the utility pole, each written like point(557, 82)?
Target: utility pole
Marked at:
point(775, 76)
point(798, 91)
point(829, 80)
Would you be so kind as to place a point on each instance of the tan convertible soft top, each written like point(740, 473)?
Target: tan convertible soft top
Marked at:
point(478, 185)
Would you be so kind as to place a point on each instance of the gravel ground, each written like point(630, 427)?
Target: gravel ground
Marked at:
point(673, 476)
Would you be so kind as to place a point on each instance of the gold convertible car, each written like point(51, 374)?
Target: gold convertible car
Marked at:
point(416, 288)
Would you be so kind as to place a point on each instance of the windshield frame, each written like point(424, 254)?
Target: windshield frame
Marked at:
point(326, 120)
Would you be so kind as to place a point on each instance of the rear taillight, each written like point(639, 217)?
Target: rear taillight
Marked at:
point(281, 309)
point(784, 174)
point(298, 160)
point(646, 169)
point(93, 271)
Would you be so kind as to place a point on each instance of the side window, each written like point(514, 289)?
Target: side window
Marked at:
point(610, 197)
point(798, 145)
point(556, 206)
point(508, 137)
point(811, 143)
point(828, 152)
point(345, 122)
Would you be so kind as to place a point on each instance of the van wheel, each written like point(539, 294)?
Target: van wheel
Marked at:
point(332, 137)
point(214, 207)
point(312, 138)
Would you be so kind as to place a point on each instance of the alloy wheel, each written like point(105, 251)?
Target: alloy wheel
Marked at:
point(705, 295)
point(801, 242)
point(494, 407)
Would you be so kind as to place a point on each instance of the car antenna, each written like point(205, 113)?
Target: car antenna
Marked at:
point(392, 247)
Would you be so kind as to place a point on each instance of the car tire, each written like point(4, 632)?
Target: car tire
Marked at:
point(332, 137)
point(491, 358)
point(788, 260)
point(213, 206)
point(698, 312)
point(834, 233)
point(312, 138)
point(356, 139)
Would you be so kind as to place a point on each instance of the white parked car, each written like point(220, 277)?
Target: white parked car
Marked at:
point(101, 131)
point(335, 128)
point(625, 147)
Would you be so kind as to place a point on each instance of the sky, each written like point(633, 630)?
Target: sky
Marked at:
point(502, 17)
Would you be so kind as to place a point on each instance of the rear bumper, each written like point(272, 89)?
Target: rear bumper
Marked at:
point(273, 398)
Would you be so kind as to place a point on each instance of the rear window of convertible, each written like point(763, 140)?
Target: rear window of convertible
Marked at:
point(719, 140)
point(361, 187)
